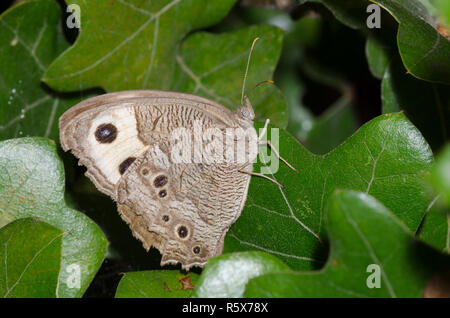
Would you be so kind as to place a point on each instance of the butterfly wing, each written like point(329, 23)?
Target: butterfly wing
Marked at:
point(182, 208)
point(108, 132)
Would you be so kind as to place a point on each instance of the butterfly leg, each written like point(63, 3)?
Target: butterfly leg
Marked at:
point(262, 176)
point(264, 131)
point(268, 143)
point(275, 151)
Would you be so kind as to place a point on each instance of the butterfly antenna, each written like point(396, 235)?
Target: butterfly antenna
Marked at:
point(260, 83)
point(246, 70)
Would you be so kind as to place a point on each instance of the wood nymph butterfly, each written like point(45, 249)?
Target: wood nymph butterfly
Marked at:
point(183, 208)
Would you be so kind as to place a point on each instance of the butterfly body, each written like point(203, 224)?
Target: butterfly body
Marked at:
point(184, 208)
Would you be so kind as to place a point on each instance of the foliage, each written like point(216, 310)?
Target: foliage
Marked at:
point(358, 112)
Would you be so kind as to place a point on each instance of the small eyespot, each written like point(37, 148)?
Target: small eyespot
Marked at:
point(182, 231)
point(160, 181)
point(144, 171)
point(196, 249)
point(162, 193)
point(166, 218)
point(126, 164)
point(106, 133)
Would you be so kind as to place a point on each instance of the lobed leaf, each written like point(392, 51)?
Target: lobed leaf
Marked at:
point(385, 158)
point(30, 38)
point(30, 259)
point(373, 254)
point(157, 284)
point(225, 276)
point(32, 185)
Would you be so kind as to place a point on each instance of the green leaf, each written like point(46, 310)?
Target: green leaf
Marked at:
point(30, 38)
point(213, 65)
point(30, 259)
point(439, 8)
point(350, 12)
point(362, 232)
point(435, 229)
point(440, 175)
point(333, 127)
point(384, 158)
point(130, 44)
point(427, 105)
point(378, 56)
point(32, 184)
point(423, 49)
point(443, 9)
point(156, 284)
point(225, 276)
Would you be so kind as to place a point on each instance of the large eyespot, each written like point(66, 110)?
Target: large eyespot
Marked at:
point(182, 231)
point(160, 181)
point(126, 164)
point(106, 133)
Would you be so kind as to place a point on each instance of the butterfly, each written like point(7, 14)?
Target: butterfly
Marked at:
point(131, 142)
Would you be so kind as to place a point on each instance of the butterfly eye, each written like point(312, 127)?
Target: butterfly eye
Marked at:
point(245, 113)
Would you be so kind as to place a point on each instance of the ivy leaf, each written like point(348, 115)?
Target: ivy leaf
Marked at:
point(157, 284)
point(443, 9)
point(30, 259)
point(440, 9)
point(213, 65)
point(427, 105)
point(384, 158)
point(298, 35)
point(30, 38)
point(440, 175)
point(332, 127)
point(225, 276)
point(379, 54)
point(435, 229)
point(423, 49)
point(130, 44)
point(367, 241)
point(349, 12)
point(32, 185)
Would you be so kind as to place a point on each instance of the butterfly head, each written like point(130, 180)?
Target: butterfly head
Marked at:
point(245, 112)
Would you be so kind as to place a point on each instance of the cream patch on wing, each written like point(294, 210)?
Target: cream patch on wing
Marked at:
point(109, 156)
